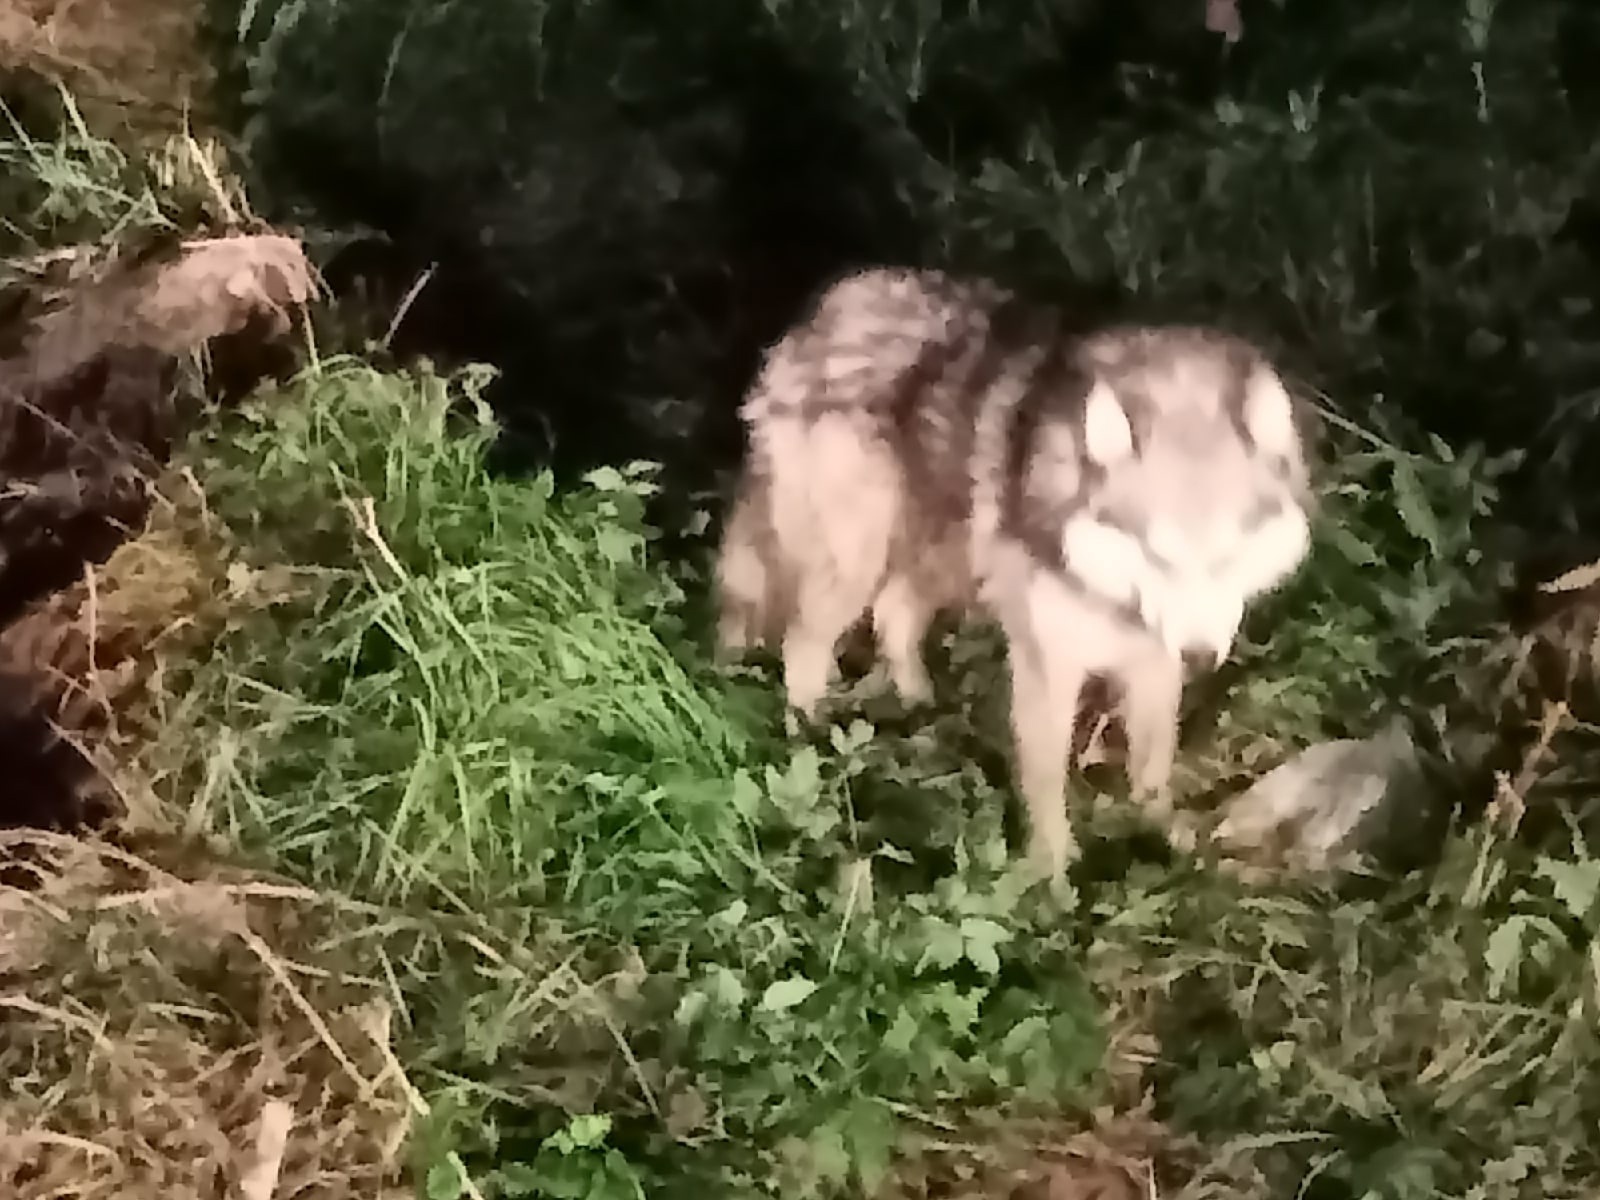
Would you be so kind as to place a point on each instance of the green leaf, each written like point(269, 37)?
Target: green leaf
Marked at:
point(944, 945)
point(1352, 548)
point(786, 993)
point(830, 1159)
point(872, 1131)
point(803, 779)
point(727, 988)
point(1514, 940)
point(1412, 504)
point(848, 741)
point(617, 545)
point(689, 1007)
point(606, 479)
point(901, 1033)
point(745, 795)
point(983, 936)
point(443, 1182)
point(982, 955)
point(518, 1179)
point(1023, 1037)
point(587, 1130)
point(795, 790)
point(960, 1008)
point(1364, 1098)
point(894, 854)
point(981, 929)
point(1576, 884)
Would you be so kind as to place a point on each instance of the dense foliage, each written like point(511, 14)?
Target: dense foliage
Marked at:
point(1395, 195)
point(637, 936)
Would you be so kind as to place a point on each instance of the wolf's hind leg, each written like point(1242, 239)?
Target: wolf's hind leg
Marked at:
point(747, 584)
point(900, 618)
point(826, 609)
point(837, 496)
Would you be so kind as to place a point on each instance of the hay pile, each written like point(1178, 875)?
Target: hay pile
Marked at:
point(162, 1043)
point(169, 1032)
point(87, 418)
point(137, 63)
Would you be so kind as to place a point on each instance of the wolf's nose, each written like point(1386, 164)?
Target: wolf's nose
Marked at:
point(1197, 660)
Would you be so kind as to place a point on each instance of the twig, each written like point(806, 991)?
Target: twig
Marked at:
point(272, 1136)
point(280, 973)
point(406, 302)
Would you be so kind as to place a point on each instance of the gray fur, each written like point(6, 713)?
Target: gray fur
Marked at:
point(1113, 498)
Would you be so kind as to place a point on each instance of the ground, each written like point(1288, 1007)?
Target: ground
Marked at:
point(432, 852)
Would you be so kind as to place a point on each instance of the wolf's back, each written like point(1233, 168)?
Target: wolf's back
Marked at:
point(824, 414)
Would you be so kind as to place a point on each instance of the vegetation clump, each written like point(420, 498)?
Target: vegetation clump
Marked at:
point(452, 864)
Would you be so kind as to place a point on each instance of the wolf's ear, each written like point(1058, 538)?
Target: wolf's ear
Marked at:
point(1107, 436)
point(1268, 415)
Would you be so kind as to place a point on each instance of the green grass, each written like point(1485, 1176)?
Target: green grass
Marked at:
point(473, 713)
point(634, 937)
point(601, 881)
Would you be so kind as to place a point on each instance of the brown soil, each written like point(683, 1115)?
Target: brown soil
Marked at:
point(74, 458)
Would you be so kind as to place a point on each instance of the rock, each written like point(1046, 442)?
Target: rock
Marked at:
point(1331, 805)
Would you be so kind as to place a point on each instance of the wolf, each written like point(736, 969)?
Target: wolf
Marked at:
point(1113, 497)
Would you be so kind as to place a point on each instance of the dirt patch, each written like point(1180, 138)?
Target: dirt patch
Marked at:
point(79, 450)
point(84, 655)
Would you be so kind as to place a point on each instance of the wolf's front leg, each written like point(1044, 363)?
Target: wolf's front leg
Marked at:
point(1044, 702)
point(1152, 695)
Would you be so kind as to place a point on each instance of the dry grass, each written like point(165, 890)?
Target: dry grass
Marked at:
point(163, 1021)
point(84, 654)
point(1108, 1156)
point(94, 653)
point(212, 287)
point(131, 63)
point(171, 1030)
point(174, 1027)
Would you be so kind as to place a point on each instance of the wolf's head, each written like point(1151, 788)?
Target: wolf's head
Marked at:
point(1201, 504)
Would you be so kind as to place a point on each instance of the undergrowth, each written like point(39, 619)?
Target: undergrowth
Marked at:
point(457, 844)
point(602, 891)
point(471, 711)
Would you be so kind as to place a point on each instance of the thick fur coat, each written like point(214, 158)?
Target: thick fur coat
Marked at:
point(1114, 498)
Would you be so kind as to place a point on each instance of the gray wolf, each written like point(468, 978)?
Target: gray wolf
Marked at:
point(1113, 497)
